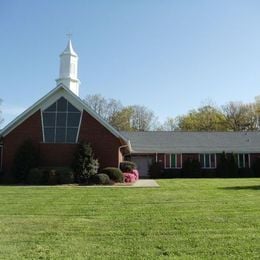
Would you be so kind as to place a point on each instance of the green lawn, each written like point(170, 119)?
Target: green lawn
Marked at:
point(186, 219)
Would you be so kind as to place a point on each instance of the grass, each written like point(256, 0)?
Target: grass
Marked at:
point(183, 219)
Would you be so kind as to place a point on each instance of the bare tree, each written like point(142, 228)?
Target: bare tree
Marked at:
point(106, 108)
point(170, 124)
point(142, 118)
point(240, 117)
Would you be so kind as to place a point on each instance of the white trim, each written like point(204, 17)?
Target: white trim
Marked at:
point(170, 160)
point(80, 120)
point(50, 98)
point(204, 160)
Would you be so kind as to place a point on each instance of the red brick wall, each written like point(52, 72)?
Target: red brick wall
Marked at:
point(30, 128)
point(105, 145)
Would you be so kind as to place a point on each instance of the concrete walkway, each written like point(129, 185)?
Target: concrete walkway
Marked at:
point(143, 183)
point(146, 183)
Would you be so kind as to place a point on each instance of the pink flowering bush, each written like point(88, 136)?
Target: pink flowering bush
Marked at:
point(130, 177)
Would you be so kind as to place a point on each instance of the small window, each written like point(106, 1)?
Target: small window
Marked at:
point(208, 160)
point(173, 161)
point(243, 160)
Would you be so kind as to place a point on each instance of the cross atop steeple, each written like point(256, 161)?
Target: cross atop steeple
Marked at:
point(69, 35)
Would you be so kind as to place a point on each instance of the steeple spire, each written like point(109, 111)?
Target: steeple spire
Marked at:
point(69, 69)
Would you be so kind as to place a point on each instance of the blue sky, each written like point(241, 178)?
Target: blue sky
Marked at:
point(170, 56)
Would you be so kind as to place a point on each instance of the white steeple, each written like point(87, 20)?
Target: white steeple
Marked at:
point(69, 69)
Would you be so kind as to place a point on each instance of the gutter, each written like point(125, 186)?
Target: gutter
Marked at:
point(123, 146)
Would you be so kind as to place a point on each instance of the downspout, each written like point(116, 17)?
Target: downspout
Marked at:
point(123, 146)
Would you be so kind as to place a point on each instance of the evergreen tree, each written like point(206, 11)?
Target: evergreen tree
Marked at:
point(84, 164)
point(26, 158)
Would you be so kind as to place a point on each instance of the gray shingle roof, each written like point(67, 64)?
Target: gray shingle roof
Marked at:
point(193, 142)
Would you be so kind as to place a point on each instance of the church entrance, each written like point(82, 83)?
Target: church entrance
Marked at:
point(143, 163)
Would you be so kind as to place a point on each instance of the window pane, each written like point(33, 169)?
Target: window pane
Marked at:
point(72, 135)
point(73, 119)
point(49, 119)
point(60, 135)
point(61, 119)
point(51, 108)
point(49, 135)
point(173, 161)
point(71, 108)
point(240, 161)
point(62, 104)
point(207, 161)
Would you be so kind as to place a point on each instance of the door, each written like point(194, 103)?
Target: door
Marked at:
point(143, 163)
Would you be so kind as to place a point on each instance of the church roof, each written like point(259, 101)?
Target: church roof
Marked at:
point(193, 142)
point(51, 97)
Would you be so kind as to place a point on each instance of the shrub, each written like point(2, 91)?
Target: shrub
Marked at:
point(191, 168)
point(66, 175)
point(84, 164)
point(127, 166)
point(114, 174)
point(35, 177)
point(227, 166)
point(26, 158)
point(101, 178)
point(155, 170)
point(51, 175)
point(256, 167)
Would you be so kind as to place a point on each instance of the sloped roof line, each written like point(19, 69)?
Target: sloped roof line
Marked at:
point(152, 142)
point(32, 109)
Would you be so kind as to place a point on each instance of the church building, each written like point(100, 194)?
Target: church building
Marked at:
point(60, 120)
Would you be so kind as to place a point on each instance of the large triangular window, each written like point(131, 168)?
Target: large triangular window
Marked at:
point(61, 122)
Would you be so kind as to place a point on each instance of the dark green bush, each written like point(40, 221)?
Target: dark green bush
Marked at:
point(256, 167)
point(101, 178)
point(114, 174)
point(35, 177)
point(52, 176)
point(227, 166)
point(26, 158)
point(245, 173)
point(66, 175)
point(191, 168)
point(156, 170)
point(127, 166)
point(84, 164)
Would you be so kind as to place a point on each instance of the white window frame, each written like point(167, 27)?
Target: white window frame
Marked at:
point(170, 160)
point(204, 160)
point(244, 160)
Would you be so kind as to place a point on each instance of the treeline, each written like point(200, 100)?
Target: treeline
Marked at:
point(234, 116)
